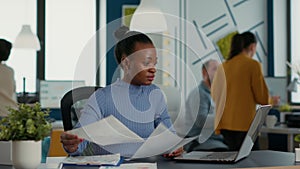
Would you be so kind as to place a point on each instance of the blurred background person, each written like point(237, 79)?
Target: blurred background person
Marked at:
point(238, 87)
point(7, 81)
point(200, 106)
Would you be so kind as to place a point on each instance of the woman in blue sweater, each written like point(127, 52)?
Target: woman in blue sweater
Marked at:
point(133, 100)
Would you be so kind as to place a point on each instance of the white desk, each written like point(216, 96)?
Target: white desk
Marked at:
point(283, 129)
point(263, 158)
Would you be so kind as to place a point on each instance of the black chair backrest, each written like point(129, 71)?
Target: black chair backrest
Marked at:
point(69, 99)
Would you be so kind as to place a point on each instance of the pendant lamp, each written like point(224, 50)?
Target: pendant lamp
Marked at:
point(293, 86)
point(148, 18)
point(26, 39)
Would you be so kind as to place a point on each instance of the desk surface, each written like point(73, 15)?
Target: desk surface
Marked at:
point(264, 158)
point(256, 159)
point(281, 129)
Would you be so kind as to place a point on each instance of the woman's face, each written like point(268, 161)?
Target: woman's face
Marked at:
point(139, 67)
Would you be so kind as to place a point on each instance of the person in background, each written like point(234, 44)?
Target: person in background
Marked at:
point(237, 88)
point(200, 106)
point(133, 100)
point(7, 81)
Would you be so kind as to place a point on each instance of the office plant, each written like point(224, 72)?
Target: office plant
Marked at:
point(25, 126)
point(285, 108)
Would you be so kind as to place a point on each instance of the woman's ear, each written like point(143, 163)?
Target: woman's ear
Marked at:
point(125, 62)
point(253, 47)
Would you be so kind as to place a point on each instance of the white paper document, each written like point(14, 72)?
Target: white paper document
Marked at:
point(111, 131)
point(107, 131)
point(182, 143)
point(161, 141)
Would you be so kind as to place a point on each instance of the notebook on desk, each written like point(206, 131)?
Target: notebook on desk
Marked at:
point(232, 156)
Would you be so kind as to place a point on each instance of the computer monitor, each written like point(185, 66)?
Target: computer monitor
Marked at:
point(52, 91)
point(277, 87)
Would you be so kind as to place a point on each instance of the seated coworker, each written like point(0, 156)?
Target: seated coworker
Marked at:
point(200, 108)
point(7, 82)
point(133, 100)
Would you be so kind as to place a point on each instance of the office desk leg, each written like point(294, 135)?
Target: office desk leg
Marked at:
point(290, 142)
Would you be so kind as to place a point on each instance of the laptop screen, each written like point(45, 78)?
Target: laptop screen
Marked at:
point(52, 91)
point(253, 131)
point(232, 156)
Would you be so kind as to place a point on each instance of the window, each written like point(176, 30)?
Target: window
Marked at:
point(295, 41)
point(70, 52)
point(13, 14)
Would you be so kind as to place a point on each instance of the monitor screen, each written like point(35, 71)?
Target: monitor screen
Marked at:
point(52, 91)
point(277, 87)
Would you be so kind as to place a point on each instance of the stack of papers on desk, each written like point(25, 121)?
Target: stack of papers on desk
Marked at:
point(101, 160)
point(111, 131)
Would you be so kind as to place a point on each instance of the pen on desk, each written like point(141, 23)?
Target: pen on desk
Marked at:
point(60, 165)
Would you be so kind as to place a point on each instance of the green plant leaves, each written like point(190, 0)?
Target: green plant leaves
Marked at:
point(28, 122)
point(297, 138)
point(285, 108)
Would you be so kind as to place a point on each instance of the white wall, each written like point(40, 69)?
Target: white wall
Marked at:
point(214, 19)
point(280, 37)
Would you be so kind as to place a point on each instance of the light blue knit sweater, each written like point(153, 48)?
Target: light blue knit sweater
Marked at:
point(140, 108)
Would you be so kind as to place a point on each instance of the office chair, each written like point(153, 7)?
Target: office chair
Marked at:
point(173, 99)
point(72, 102)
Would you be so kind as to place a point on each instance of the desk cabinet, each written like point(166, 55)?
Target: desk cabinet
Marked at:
point(283, 129)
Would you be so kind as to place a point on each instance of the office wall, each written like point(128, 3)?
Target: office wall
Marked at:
point(280, 37)
point(218, 17)
point(113, 15)
point(200, 24)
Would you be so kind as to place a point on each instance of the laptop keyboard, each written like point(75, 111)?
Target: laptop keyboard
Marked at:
point(220, 156)
point(225, 156)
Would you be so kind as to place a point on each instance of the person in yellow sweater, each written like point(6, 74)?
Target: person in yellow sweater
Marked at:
point(237, 88)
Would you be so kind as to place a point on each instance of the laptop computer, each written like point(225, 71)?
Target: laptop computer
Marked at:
point(231, 156)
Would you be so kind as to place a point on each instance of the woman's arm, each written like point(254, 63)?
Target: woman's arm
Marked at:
point(89, 114)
